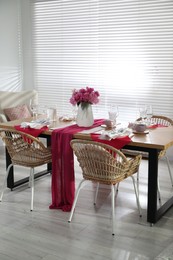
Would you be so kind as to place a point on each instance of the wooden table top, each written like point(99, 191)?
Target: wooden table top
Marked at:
point(157, 138)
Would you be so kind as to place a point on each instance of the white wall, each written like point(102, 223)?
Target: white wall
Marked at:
point(15, 45)
point(28, 77)
point(10, 48)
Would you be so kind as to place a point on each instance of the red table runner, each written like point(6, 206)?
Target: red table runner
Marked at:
point(63, 183)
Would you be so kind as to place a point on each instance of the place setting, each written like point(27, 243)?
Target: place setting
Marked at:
point(143, 123)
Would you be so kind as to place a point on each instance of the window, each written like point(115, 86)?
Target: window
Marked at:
point(124, 49)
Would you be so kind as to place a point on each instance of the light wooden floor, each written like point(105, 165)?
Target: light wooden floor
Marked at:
point(46, 234)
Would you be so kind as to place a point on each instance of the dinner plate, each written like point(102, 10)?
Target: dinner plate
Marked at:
point(66, 119)
point(107, 127)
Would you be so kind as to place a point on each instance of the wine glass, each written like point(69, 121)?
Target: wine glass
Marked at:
point(34, 108)
point(143, 112)
point(113, 112)
point(74, 112)
point(149, 113)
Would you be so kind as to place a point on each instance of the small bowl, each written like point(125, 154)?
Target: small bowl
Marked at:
point(140, 127)
point(108, 123)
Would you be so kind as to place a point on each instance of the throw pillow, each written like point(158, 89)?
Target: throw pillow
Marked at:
point(17, 112)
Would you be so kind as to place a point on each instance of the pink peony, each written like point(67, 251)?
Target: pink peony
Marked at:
point(84, 95)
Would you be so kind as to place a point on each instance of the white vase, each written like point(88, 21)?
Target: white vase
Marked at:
point(85, 116)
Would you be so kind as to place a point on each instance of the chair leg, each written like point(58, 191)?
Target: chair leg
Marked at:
point(5, 181)
point(96, 193)
point(117, 186)
point(29, 182)
point(113, 208)
point(75, 200)
point(169, 169)
point(32, 187)
point(138, 176)
point(137, 196)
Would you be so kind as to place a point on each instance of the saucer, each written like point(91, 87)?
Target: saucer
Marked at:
point(143, 133)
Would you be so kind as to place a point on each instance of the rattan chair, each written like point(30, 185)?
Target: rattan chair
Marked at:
point(162, 120)
point(167, 122)
point(104, 164)
point(24, 150)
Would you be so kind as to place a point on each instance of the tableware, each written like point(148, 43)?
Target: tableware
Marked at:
point(38, 123)
point(143, 112)
point(113, 112)
point(115, 133)
point(144, 132)
point(66, 118)
point(108, 123)
point(140, 127)
point(52, 114)
point(107, 126)
point(74, 112)
point(34, 107)
point(149, 113)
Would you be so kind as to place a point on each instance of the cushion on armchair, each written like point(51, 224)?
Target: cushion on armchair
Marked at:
point(10, 103)
point(17, 112)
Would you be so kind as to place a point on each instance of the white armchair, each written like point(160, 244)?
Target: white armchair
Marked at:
point(12, 99)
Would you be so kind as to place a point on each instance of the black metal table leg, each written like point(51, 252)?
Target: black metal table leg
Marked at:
point(152, 186)
point(153, 213)
point(10, 179)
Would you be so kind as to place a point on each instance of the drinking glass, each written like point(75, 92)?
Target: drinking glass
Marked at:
point(113, 112)
point(52, 114)
point(34, 108)
point(143, 112)
point(149, 113)
point(74, 112)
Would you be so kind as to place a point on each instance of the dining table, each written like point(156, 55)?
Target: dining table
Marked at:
point(152, 142)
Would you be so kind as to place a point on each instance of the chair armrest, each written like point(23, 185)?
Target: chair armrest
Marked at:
point(3, 118)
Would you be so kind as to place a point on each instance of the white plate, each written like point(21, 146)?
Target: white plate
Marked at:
point(141, 133)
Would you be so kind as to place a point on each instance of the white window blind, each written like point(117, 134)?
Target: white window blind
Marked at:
point(124, 49)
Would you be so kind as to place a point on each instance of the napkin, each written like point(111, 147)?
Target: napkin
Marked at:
point(36, 124)
point(115, 133)
point(118, 142)
point(32, 131)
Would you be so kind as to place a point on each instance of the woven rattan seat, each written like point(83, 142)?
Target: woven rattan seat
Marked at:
point(160, 120)
point(24, 150)
point(104, 164)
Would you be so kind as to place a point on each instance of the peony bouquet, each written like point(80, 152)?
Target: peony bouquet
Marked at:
point(84, 96)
